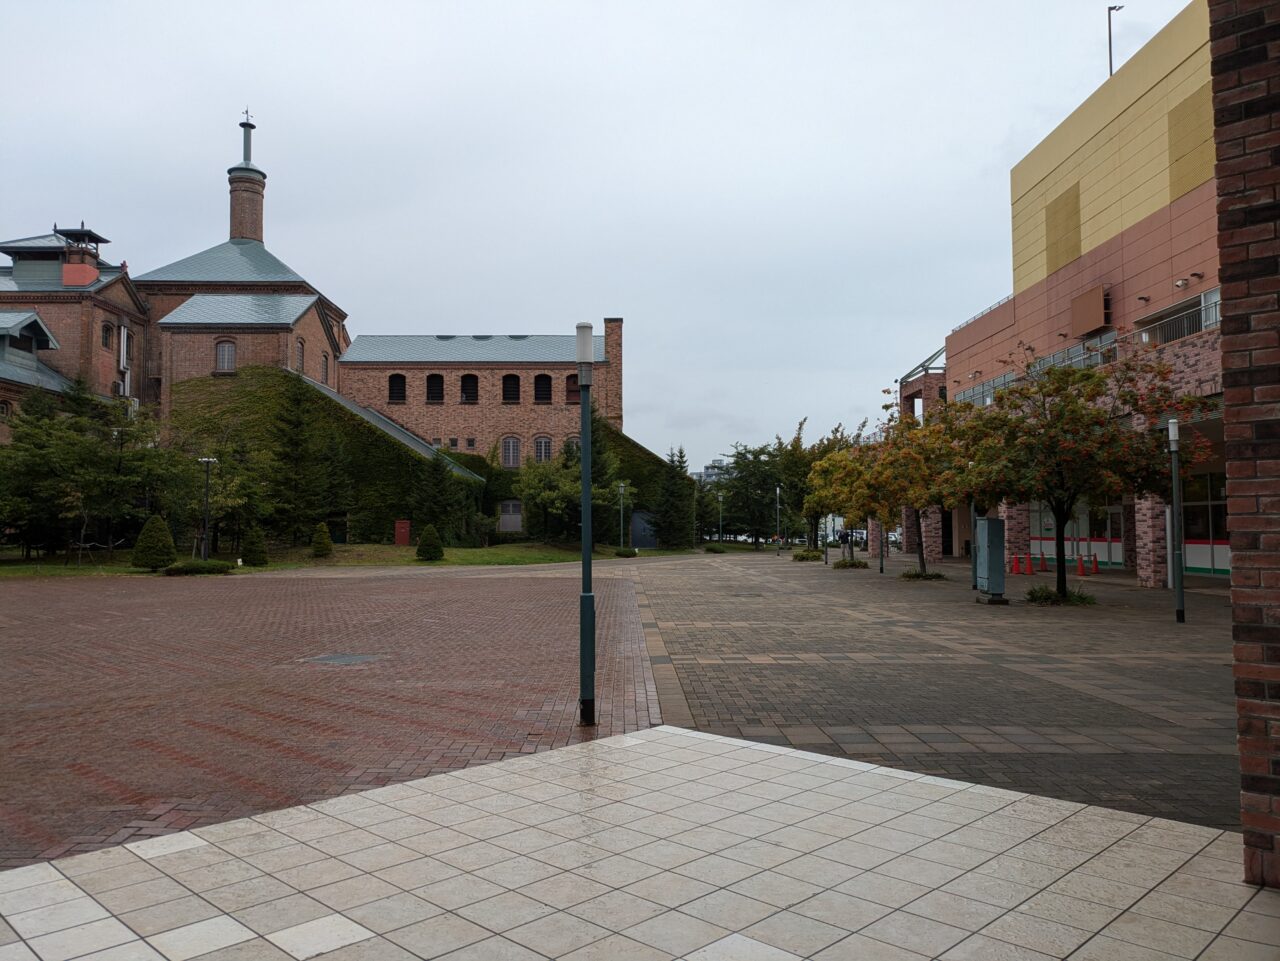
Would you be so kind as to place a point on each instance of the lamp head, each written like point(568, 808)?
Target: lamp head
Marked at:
point(1173, 434)
point(585, 344)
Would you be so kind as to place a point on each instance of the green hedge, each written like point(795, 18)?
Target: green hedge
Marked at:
point(186, 568)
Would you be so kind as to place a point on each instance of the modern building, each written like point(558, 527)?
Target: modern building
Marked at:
point(712, 472)
point(1115, 251)
point(515, 395)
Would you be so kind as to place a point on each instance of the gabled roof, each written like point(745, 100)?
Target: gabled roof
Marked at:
point(106, 274)
point(467, 348)
point(240, 310)
point(14, 322)
point(232, 262)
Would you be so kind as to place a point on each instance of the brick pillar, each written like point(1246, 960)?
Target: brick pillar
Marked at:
point(931, 524)
point(1017, 528)
point(1151, 542)
point(1246, 101)
point(873, 538)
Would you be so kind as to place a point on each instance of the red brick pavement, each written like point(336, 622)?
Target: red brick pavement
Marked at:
point(131, 707)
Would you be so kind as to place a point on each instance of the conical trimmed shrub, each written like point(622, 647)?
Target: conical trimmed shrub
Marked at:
point(321, 542)
point(154, 547)
point(430, 548)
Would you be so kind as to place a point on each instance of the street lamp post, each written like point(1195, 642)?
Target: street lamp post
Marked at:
point(204, 533)
point(777, 518)
point(1180, 611)
point(587, 601)
point(1111, 64)
point(720, 498)
point(622, 487)
point(973, 539)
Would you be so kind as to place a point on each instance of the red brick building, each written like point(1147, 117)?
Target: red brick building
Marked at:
point(66, 313)
point(515, 394)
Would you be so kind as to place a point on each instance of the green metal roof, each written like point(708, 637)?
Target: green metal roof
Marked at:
point(240, 310)
point(43, 242)
point(12, 323)
point(466, 348)
point(38, 376)
point(233, 262)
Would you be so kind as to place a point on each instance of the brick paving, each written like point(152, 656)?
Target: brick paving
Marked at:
point(1112, 705)
point(138, 706)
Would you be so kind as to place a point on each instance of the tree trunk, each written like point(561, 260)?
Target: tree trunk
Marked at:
point(1060, 546)
point(919, 538)
point(813, 530)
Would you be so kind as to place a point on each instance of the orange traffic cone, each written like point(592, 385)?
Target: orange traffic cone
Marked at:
point(1029, 571)
point(1080, 566)
point(1095, 563)
point(1043, 564)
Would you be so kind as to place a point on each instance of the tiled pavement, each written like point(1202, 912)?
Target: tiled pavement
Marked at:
point(659, 845)
point(131, 707)
point(1113, 705)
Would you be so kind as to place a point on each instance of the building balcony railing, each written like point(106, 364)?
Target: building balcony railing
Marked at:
point(1205, 317)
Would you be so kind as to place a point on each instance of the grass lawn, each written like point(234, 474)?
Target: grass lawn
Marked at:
point(344, 555)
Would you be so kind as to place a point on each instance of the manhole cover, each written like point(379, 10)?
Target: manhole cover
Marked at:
point(343, 659)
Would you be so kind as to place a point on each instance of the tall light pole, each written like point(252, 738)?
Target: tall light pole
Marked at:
point(587, 602)
point(720, 498)
point(777, 517)
point(1180, 612)
point(1111, 64)
point(973, 538)
point(622, 487)
point(204, 533)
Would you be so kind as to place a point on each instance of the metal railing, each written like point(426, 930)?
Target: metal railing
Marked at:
point(1194, 321)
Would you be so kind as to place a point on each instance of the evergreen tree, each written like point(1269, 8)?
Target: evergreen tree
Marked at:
point(321, 542)
point(154, 547)
point(429, 546)
point(255, 548)
point(675, 517)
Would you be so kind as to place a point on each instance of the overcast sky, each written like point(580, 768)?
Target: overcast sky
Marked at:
point(791, 203)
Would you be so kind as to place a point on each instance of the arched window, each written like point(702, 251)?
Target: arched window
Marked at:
point(470, 389)
point(4, 410)
point(511, 388)
point(572, 394)
point(542, 449)
point(108, 336)
point(511, 452)
point(324, 367)
point(435, 388)
point(300, 355)
point(395, 389)
point(572, 442)
point(224, 356)
point(542, 389)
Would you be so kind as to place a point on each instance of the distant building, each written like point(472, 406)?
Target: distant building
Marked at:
point(711, 473)
point(516, 394)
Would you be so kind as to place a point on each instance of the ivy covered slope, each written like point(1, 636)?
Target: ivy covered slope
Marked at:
point(305, 459)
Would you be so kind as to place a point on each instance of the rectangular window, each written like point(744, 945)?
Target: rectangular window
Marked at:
point(471, 443)
point(453, 443)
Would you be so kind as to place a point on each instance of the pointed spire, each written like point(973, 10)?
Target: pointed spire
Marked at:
point(247, 185)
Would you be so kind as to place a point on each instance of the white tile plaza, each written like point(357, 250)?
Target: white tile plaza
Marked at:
point(654, 846)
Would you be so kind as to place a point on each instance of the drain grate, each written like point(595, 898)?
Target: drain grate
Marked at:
point(343, 659)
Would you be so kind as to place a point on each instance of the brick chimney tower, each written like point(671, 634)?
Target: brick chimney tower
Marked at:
point(248, 184)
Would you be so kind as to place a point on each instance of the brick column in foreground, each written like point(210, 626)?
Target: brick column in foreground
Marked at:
point(1017, 528)
point(1151, 541)
point(1245, 45)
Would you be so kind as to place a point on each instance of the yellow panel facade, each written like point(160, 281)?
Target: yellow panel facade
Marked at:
point(1142, 140)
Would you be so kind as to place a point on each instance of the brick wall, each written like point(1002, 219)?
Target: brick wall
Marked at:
point(490, 420)
point(1245, 35)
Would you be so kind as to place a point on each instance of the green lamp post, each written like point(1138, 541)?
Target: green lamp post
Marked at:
point(587, 601)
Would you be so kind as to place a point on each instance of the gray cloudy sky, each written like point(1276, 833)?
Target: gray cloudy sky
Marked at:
point(790, 202)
